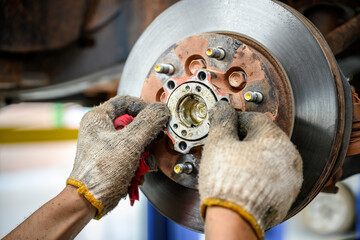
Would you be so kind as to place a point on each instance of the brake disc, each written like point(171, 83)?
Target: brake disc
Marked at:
point(262, 54)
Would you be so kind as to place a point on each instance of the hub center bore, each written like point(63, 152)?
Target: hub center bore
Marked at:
point(188, 101)
point(192, 110)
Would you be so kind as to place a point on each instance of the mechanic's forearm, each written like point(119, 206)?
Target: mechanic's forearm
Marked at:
point(63, 217)
point(223, 223)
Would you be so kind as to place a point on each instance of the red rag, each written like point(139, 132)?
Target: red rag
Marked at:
point(133, 191)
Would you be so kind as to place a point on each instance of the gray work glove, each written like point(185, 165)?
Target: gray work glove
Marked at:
point(259, 177)
point(106, 159)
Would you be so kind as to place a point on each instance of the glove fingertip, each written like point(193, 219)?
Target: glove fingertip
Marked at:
point(221, 112)
point(157, 112)
point(223, 120)
point(148, 124)
point(125, 104)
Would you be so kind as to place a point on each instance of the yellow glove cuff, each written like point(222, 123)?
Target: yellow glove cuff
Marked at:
point(241, 211)
point(83, 191)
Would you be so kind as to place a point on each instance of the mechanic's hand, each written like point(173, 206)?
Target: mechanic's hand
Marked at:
point(258, 177)
point(106, 159)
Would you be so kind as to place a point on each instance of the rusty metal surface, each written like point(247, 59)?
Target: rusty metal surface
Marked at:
point(354, 146)
point(350, 165)
point(343, 36)
point(330, 186)
point(263, 73)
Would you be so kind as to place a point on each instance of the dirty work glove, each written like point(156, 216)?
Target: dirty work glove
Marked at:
point(259, 177)
point(106, 159)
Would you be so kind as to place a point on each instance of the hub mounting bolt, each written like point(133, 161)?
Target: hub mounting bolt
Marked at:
point(217, 53)
point(164, 68)
point(256, 97)
point(237, 80)
point(183, 168)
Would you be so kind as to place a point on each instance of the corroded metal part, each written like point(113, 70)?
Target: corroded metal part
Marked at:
point(288, 40)
point(354, 145)
point(340, 38)
point(237, 80)
point(263, 74)
point(188, 101)
point(244, 58)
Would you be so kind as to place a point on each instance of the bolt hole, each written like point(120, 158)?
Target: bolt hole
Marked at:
point(184, 133)
point(201, 75)
point(183, 146)
point(175, 126)
point(225, 99)
point(187, 88)
point(171, 85)
point(198, 89)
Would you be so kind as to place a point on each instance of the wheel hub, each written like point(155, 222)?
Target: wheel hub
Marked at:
point(268, 59)
point(220, 66)
point(188, 101)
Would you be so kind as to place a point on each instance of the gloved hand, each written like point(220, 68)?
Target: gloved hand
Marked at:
point(106, 159)
point(259, 177)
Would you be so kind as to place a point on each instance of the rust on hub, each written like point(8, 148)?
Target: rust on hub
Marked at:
point(196, 64)
point(246, 66)
point(237, 80)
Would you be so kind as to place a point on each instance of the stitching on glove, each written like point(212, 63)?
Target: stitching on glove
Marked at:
point(241, 211)
point(83, 191)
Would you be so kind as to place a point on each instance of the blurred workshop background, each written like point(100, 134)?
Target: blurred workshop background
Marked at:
point(51, 75)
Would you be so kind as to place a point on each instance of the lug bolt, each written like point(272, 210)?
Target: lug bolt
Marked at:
point(164, 68)
point(253, 97)
point(217, 53)
point(237, 80)
point(183, 168)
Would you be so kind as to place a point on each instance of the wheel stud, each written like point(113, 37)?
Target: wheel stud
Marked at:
point(217, 53)
point(164, 68)
point(256, 97)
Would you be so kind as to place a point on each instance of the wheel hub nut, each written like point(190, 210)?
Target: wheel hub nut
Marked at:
point(237, 80)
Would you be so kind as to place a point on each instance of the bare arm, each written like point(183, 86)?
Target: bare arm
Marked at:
point(223, 223)
point(63, 217)
point(105, 162)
